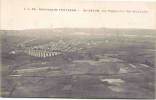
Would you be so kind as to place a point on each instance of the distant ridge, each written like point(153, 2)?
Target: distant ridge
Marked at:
point(77, 31)
point(66, 28)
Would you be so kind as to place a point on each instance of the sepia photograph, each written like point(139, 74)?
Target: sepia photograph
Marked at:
point(77, 49)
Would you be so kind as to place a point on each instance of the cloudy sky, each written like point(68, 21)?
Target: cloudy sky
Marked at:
point(17, 14)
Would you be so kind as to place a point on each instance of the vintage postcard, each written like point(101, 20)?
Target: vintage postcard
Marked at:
point(77, 49)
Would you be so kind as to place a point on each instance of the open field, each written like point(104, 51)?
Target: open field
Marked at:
point(78, 63)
